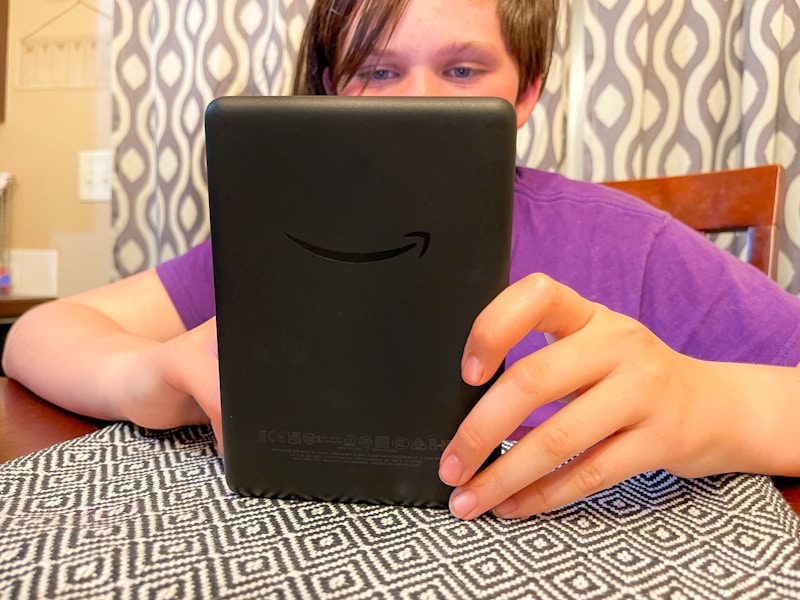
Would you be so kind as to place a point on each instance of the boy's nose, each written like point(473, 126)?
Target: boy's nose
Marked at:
point(422, 84)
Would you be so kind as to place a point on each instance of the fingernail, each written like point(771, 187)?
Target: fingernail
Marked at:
point(450, 470)
point(506, 508)
point(462, 503)
point(473, 370)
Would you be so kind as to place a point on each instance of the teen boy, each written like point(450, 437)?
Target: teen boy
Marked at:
point(682, 358)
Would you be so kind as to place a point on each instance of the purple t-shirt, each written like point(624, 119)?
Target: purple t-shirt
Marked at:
point(614, 250)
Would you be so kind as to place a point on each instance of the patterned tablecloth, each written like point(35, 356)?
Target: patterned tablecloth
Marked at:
point(130, 513)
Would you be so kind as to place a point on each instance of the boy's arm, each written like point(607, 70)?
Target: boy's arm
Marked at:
point(119, 352)
point(640, 406)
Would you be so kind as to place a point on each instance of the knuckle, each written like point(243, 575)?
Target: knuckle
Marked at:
point(634, 333)
point(494, 486)
point(484, 332)
point(544, 289)
point(555, 442)
point(641, 346)
point(536, 501)
point(471, 439)
point(588, 479)
point(652, 377)
point(526, 376)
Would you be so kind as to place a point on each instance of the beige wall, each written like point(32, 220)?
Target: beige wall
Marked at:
point(41, 137)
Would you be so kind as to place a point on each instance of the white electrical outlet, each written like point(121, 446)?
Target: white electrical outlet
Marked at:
point(94, 175)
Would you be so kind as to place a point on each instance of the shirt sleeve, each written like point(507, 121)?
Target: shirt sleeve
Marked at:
point(189, 281)
point(706, 303)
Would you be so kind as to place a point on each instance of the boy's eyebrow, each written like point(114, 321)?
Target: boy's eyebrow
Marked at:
point(474, 45)
point(453, 48)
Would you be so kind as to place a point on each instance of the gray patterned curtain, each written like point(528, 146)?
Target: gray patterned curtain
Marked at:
point(172, 58)
point(637, 88)
point(691, 86)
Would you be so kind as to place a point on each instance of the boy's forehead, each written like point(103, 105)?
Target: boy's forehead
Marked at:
point(445, 15)
point(425, 32)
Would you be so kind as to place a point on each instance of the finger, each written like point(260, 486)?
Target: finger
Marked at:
point(591, 418)
point(533, 381)
point(536, 302)
point(610, 462)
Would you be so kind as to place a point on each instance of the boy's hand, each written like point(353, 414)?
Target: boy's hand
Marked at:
point(640, 406)
point(180, 383)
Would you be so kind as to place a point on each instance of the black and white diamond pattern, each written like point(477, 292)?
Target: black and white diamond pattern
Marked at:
point(130, 513)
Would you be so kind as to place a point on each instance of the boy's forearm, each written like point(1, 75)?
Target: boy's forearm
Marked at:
point(73, 356)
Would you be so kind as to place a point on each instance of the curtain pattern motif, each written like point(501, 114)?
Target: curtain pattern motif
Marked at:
point(172, 58)
point(645, 88)
point(691, 86)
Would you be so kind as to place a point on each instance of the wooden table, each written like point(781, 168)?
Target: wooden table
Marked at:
point(28, 423)
point(12, 306)
point(790, 488)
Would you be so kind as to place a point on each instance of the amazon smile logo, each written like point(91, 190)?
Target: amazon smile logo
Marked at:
point(424, 239)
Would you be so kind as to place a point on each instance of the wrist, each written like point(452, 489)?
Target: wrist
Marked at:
point(769, 419)
point(127, 381)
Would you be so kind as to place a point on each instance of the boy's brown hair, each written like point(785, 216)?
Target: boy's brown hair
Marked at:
point(528, 27)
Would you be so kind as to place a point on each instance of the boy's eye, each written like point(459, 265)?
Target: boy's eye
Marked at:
point(460, 72)
point(373, 74)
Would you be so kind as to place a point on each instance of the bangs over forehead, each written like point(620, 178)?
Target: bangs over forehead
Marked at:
point(341, 34)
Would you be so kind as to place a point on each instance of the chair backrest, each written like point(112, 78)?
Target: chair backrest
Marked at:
point(747, 199)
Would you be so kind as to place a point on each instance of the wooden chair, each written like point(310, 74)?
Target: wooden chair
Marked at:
point(747, 199)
